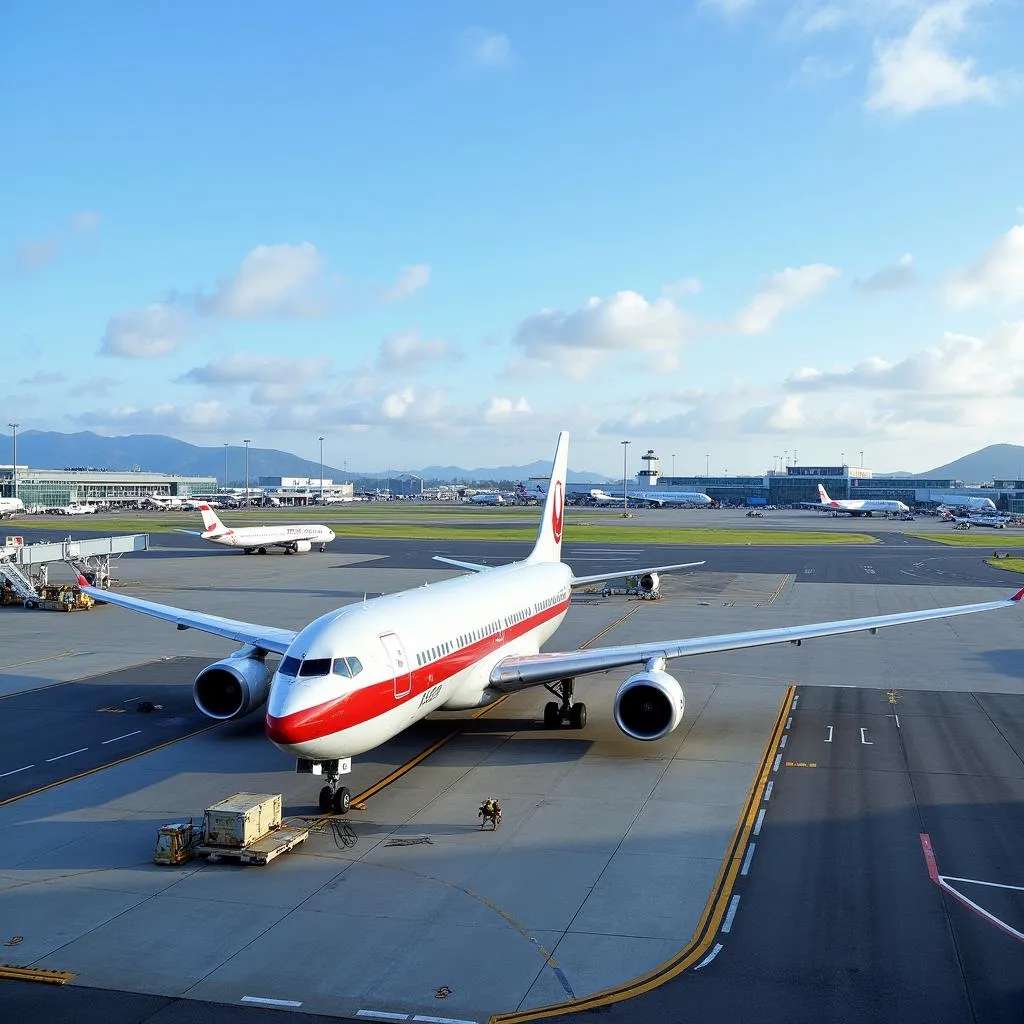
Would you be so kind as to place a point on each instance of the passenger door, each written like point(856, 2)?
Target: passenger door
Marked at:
point(400, 668)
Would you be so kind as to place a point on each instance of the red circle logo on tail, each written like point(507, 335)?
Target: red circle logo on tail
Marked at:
point(557, 512)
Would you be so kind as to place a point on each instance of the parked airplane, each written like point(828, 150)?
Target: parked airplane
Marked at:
point(855, 506)
point(659, 499)
point(488, 498)
point(293, 539)
point(356, 677)
point(965, 503)
point(10, 507)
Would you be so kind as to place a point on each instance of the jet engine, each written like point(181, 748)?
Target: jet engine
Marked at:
point(233, 687)
point(302, 545)
point(649, 583)
point(648, 705)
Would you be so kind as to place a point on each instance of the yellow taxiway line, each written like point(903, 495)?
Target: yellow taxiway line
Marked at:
point(704, 934)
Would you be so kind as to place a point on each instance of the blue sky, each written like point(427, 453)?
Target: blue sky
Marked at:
point(439, 233)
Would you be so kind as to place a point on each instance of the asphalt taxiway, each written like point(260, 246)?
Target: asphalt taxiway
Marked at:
point(610, 860)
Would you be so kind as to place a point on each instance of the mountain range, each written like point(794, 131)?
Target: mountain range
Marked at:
point(42, 449)
point(157, 453)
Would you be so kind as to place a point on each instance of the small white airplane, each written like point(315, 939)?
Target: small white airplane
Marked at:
point(488, 498)
point(966, 522)
point(356, 677)
point(660, 499)
point(855, 506)
point(10, 507)
point(966, 503)
point(293, 539)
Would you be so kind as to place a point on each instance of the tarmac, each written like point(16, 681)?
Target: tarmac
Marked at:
point(612, 860)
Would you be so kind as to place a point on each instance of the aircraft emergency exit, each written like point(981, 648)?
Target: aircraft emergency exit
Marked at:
point(356, 677)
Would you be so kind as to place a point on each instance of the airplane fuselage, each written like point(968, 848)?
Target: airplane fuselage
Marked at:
point(253, 537)
point(417, 651)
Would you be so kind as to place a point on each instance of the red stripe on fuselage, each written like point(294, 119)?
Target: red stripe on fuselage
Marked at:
point(374, 699)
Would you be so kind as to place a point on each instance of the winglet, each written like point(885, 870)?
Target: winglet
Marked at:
point(1017, 597)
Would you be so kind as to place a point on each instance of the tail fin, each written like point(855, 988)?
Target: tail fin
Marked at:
point(210, 521)
point(549, 537)
point(823, 494)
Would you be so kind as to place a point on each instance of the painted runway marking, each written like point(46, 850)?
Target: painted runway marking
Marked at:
point(758, 823)
point(80, 750)
point(440, 1020)
point(730, 916)
point(124, 736)
point(749, 857)
point(864, 739)
point(795, 699)
point(130, 699)
point(382, 1015)
point(782, 743)
point(16, 770)
point(778, 759)
point(828, 738)
point(711, 956)
point(266, 1001)
point(789, 722)
point(768, 792)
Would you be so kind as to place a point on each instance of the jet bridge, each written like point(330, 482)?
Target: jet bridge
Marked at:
point(91, 556)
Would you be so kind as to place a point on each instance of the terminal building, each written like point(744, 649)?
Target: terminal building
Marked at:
point(795, 484)
point(53, 488)
point(304, 490)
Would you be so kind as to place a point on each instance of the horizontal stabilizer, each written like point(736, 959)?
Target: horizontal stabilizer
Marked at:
point(579, 581)
point(471, 566)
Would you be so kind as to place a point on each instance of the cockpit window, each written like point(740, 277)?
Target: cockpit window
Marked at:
point(347, 667)
point(289, 666)
point(315, 667)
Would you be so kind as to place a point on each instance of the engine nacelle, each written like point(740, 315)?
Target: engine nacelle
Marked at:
point(649, 583)
point(648, 705)
point(233, 687)
point(303, 545)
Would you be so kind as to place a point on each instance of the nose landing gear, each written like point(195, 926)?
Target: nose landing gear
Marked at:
point(333, 797)
point(337, 800)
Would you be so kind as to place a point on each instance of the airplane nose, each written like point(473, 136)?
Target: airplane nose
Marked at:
point(291, 726)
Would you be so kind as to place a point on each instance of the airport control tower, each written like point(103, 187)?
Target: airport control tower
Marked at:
point(648, 476)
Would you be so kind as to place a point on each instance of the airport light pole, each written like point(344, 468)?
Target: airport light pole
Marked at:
point(707, 465)
point(226, 446)
point(14, 463)
point(246, 442)
point(625, 493)
point(321, 469)
point(673, 465)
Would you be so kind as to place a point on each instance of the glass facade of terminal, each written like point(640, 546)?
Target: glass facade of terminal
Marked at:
point(59, 487)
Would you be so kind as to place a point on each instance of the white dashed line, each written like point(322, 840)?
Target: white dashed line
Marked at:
point(16, 770)
point(749, 857)
point(123, 737)
point(733, 907)
point(783, 743)
point(382, 1015)
point(264, 1001)
point(768, 792)
point(759, 822)
point(778, 761)
point(711, 956)
point(80, 750)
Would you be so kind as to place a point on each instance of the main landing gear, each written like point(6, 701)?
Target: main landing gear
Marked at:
point(563, 713)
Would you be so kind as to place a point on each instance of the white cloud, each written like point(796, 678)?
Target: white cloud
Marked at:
point(577, 342)
point(146, 333)
point(271, 281)
point(683, 287)
point(408, 351)
point(85, 222)
point(485, 49)
point(502, 410)
point(163, 418)
point(249, 368)
point(31, 255)
point(411, 280)
point(95, 387)
point(892, 278)
point(41, 378)
point(782, 291)
point(918, 71)
point(998, 276)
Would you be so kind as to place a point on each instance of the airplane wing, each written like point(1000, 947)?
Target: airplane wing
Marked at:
point(191, 533)
point(522, 671)
point(579, 581)
point(268, 638)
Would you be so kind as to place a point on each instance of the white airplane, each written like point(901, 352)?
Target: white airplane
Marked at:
point(356, 677)
point(488, 498)
point(293, 539)
point(996, 522)
point(659, 499)
point(855, 506)
point(10, 507)
point(964, 503)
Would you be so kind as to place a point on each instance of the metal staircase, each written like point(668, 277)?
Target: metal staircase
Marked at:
point(18, 581)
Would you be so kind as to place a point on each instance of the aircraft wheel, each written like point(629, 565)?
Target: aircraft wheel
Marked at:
point(342, 801)
point(578, 716)
point(248, 551)
point(263, 551)
point(325, 799)
point(551, 715)
point(322, 548)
